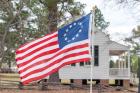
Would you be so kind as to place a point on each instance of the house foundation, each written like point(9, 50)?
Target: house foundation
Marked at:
point(123, 83)
point(126, 83)
point(77, 81)
point(104, 82)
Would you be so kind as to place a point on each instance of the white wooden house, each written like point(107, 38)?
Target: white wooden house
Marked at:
point(105, 50)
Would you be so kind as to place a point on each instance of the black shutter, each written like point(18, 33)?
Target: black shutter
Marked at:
point(96, 55)
point(73, 64)
point(81, 63)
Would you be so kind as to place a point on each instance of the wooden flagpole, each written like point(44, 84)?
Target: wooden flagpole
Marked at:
point(92, 46)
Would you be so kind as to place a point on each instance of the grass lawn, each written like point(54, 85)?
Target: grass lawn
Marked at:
point(6, 77)
point(58, 91)
point(47, 91)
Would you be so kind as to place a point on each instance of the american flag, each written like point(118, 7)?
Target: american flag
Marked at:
point(46, 55)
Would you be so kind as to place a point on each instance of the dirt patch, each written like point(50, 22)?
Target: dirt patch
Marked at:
point(46, 91)
point(59, 91)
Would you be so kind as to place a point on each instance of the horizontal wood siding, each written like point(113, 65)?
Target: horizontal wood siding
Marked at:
point(99, 72)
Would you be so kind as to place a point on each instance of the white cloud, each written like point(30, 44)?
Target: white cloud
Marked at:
point(121, 20)
point(120, 33)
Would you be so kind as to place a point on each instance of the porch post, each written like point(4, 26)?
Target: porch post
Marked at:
point(129, 72)
point(119, 63)
point(124, 64)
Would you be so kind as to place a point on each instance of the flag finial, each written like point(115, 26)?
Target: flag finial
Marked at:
point(94, 8)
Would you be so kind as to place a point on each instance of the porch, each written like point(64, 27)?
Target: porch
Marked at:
point(119, 66)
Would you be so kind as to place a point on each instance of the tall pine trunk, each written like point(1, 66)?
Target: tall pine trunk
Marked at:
point(52, 25)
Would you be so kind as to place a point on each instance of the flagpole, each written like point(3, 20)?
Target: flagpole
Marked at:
point(92, 46)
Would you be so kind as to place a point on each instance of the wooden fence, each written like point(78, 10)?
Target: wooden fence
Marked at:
point(12, 81)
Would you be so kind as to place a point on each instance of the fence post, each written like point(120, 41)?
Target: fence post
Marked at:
point(43, 85)
point(20, 86)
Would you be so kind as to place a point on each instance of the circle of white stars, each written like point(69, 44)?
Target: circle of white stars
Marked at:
point(74, 36)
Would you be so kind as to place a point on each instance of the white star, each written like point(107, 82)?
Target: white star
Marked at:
point(66, 38)
point(73, 38)
point(80, 30)
point(80, 23)
point(70, 26)
point(67, 30)
point(64, 34)
point(77, 35)
point(74, 24)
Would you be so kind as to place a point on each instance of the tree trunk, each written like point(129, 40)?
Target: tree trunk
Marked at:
point(52, 25)
point(7, 5)
point(52, 19)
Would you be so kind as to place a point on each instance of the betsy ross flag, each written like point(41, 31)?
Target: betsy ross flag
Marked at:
point(44, 56)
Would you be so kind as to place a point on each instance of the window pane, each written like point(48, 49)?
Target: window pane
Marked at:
point(87, 63)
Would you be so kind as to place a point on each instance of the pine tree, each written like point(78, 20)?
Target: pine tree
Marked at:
point(100, 22)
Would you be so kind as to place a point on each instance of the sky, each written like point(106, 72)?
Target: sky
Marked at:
point(121, 19)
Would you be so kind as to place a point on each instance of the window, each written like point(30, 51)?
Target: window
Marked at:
point(81, 63)
point(84, 63)
point(96, 55)
point(87, 63)
point(73, 64)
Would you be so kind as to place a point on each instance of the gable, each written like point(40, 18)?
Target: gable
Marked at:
point(100, 38)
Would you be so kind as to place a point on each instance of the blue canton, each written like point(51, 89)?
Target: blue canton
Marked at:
point(74, 32)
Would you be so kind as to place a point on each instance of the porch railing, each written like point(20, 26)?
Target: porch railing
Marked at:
point(119, 72)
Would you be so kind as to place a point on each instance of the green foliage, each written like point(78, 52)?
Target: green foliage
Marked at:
point(27, 20)
point(135, 46)
point(112, 64)
point(134, 63)
point(134, 39)
point(100, 22)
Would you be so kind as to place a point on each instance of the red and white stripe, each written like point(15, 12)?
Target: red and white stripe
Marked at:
point(42, 57)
